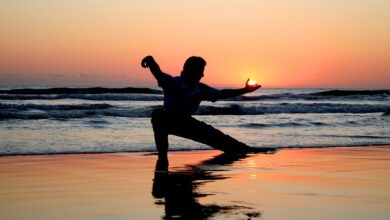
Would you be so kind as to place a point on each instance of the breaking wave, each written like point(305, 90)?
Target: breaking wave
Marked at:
point(35, 111)
point(292, 108)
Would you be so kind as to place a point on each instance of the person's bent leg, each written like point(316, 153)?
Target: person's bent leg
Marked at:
point(160, 138)
point(201, 132)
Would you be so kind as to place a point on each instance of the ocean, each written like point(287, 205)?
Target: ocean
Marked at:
point(97, 120)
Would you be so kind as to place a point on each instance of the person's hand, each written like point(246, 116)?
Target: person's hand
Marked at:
point(251, 87)
point(145, 63)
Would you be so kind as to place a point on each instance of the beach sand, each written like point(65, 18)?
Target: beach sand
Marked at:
point(311, 183)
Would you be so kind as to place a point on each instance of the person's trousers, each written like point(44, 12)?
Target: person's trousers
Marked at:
point(191, 128)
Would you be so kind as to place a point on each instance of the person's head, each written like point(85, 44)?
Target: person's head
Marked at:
point(193, 69)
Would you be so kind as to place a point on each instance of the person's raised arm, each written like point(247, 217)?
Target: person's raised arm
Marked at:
point(228, 93)
point(149, 62)
point(161, 77)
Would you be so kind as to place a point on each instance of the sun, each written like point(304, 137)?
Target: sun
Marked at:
point(251, 83)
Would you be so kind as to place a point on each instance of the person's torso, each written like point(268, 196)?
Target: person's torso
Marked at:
point(181, 98)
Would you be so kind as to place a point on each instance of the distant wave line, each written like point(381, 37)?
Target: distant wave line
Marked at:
point(146, 94)
point(92, 90)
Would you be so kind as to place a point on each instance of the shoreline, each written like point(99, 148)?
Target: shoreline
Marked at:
point(181, 150)
point(306, 183)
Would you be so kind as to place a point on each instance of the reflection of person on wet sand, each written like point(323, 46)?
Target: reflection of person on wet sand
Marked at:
point(182, 96)
point(179, 190)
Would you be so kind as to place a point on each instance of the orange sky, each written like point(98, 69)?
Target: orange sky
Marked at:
point(300, 43)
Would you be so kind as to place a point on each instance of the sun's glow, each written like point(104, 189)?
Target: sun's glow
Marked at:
point(252, 83)
point(68, 43)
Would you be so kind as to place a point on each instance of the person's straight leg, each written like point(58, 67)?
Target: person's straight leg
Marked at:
point(201, 132)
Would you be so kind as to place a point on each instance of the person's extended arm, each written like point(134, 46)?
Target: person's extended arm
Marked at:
point(149, 62)
point(228, 93)
point(162, 78)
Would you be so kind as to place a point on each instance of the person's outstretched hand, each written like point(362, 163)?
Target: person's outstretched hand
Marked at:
point(251, 88)
point(145, 63)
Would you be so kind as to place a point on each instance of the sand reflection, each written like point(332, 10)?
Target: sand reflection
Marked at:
point(179, 190)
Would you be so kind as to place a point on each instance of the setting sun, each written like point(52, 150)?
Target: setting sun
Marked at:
point(251, 83)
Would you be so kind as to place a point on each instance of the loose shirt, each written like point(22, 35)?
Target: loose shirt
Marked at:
point(182, 99)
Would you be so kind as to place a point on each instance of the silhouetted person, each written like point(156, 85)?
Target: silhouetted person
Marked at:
point(182, 96)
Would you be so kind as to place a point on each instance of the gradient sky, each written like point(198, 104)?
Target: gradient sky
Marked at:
point(294, 44)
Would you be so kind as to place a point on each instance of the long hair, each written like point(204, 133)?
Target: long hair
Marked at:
point(192, 64)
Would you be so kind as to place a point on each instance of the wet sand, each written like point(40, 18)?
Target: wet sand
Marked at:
point(327, 183)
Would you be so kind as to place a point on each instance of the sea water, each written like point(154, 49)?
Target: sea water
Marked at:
point(74, 122)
